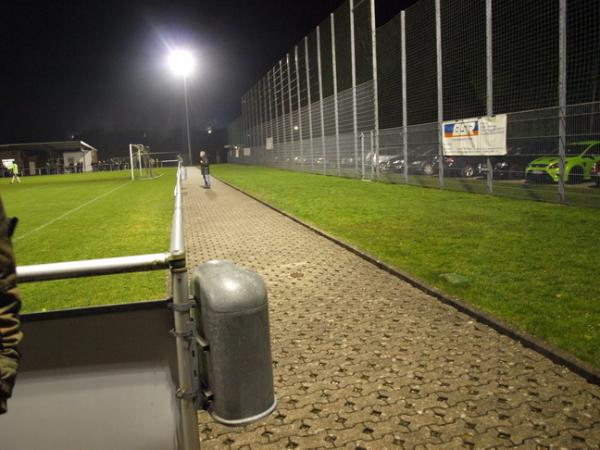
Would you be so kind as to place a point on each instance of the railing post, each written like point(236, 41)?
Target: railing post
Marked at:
point(184, 336)
point(185, 341)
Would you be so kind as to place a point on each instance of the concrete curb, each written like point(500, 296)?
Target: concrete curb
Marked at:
point(556, 355)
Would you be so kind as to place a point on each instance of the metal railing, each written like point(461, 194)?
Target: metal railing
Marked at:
point(175, 261)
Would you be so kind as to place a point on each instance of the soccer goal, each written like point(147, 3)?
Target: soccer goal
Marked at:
point(141, 161)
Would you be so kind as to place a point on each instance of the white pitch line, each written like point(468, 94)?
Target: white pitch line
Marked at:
point(150, 179)
point(71, 211)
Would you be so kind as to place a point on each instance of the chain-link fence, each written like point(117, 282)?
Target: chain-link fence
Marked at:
point(352, 100)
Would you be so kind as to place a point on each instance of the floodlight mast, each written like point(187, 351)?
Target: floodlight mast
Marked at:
point(182, 64)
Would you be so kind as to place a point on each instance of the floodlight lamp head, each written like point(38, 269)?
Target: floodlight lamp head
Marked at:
point(181, 62)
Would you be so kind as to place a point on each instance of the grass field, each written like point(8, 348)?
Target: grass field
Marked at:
point(85, 216)
point(531, 264)
point(585, 194)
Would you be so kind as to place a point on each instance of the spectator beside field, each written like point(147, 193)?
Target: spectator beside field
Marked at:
point(10, 304)
point(205, 169)
point(15, 173)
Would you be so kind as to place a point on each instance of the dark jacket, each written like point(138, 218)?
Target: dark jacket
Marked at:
point(204, 166)
point(10, 304)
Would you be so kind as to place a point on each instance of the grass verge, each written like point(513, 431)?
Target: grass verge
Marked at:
point(528, 263)
point(85, 216)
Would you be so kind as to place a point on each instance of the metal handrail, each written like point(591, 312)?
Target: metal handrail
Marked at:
point(117, 265)
point(92, 267)
point(175, 259)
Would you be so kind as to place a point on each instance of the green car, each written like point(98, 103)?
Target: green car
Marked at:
point(580, 158)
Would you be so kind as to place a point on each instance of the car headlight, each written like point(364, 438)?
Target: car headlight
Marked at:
point(554, 165)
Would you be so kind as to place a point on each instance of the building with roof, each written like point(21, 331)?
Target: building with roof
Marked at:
point(44, 158)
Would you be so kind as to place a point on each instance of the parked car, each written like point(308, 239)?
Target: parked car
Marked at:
point(511, 166)
point(427, 163)
point(463, 166)
point(423, 164)
point(392, 165)
point(595, 173)
point(580, 158)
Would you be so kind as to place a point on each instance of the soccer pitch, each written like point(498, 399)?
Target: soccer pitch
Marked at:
point(91, 215)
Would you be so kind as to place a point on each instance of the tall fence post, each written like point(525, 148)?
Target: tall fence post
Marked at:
point(404, 101)
point(372, 153)
point(335, 96)
point(264, 111)
point(310, 123)
point(489, 64)
point(362, 156)
point(562, 95)
point(284, 153)
point(290, 106)
point(354, 112)
point(252, 119)
point(375, 84)
point(243, 125)
point(323, 150)
point(273, 93)
point(267, 119)
point(256, 115)
point(270, 101)
point(440, 94)
point(299, 107)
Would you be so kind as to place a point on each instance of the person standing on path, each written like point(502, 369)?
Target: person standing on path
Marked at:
point(205, 169)
point(15, 173)
point(10, 305)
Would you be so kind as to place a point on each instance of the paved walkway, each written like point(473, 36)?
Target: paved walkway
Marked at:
point(363, 360)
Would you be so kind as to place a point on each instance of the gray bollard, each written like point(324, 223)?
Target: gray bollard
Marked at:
point(233, 326)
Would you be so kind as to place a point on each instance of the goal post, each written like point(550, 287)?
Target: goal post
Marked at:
point(140, 161)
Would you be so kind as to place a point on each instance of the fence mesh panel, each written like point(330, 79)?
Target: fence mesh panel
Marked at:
point(525, 46)
point(326, 55)
point(583, 51)
point(389, 74)
point(342, 47)
point(463, 59)
point(421, 70)
point(307, 134)
point(362, 38)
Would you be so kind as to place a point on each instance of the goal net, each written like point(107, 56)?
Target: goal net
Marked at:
point(141, 161)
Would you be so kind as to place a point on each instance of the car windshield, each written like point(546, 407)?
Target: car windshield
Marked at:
point(575, 149)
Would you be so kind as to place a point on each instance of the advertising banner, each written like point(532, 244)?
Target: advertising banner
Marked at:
point(479, 136)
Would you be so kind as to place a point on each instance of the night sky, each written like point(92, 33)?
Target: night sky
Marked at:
point(95, 70)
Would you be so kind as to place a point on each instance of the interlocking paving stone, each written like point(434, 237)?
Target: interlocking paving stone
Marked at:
point(362, 360)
